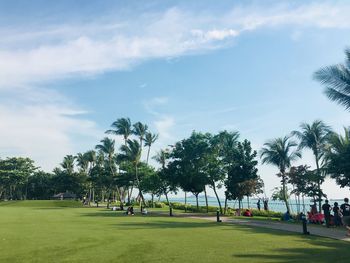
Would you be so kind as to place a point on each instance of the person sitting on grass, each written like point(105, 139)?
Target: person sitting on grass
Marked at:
point(130, 210)
point(345, 210)
point(247, 213)
point(286, 216)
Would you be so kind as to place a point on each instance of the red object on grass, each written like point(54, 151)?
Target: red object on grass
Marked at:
point(316, 218)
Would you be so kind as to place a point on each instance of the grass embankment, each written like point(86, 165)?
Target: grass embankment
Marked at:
point(50, 231)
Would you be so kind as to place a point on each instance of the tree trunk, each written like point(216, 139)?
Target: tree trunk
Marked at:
point(285, 197)
point(197, 202)
point(108, 197)
point(225, 210)
point(206, 199)
point(89, 201)
point(149, 149)
point(185, 202)
point(166, 197)
point(152, 200)
point(217, 197)
point(248, 201)
point(239, 207)
point(130, 193)
point(319, 185)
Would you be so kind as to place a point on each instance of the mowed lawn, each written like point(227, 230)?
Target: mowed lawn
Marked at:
point(46, 231)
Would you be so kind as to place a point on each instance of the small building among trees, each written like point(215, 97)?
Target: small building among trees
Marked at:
point(64, 196)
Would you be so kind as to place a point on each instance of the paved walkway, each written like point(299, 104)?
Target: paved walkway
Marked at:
point(339, 234)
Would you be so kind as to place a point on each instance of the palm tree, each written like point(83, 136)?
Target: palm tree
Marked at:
point(315, 137)
point(82, 162)
point(336, 79)
point(149, 140)
point(86, 162)
point(226, 144)
point(107, 148)
point(68, 163)
point(161, 157)
point(132, 152)
point(337, 158)
point(122, 127)
point(280, 153)
point(140, 130)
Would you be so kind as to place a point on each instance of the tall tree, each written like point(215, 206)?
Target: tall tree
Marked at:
point(281, 152)
point(68, 164)
point(243, 179)
point(336, 79)
point(226, 144)
point(131, 152)
point(15, 173)
point(188, 163)
point(107, 148)
point(315, 136)
point(167, 182)
point(150, 138)
point(121, 127)
point(140, 131)
point(337, 158)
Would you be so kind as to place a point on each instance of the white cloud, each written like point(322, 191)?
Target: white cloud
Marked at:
point(43, 130)
point(60, 51)
point(41, 125)
point(164, 126)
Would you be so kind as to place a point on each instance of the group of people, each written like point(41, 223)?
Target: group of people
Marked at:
point(341, 214)
point(265, 202)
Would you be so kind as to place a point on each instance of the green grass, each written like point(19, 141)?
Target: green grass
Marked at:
point(51, 231)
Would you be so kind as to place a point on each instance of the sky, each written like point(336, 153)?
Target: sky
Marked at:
point(68, 69)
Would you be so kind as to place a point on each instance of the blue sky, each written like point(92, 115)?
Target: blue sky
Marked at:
point(70, 68)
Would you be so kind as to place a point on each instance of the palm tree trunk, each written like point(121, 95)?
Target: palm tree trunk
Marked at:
point(319, 185)
point(206, 199)
point(197, 202)
point(285, 197)
point(149, 149)
point(217, 197)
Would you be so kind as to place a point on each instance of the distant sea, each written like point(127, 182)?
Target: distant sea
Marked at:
point(277, 206)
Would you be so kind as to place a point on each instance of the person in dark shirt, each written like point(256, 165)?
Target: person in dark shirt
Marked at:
point(336, 212)
point(327, 212)
point(258, 204)
point(345, 210)
point(266, 205)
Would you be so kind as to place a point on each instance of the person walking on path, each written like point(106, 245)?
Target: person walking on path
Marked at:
point(345, 210)
point(336, 212)
point(327, 213)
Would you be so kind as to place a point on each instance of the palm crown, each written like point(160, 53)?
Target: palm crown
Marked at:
point(280, 152)
point(336, 79)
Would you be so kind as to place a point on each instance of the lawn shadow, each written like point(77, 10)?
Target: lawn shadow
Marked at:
point(159, 224)
point(326, 250)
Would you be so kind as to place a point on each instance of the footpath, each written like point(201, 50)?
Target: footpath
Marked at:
point(335, 233)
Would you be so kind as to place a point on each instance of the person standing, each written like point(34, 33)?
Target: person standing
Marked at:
point(327, 213)
point(336, 212)
point(266, 205)
point(258, 204)
point(345, 210)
